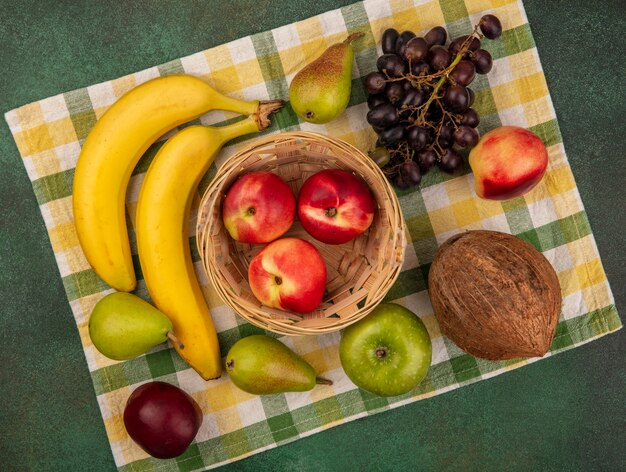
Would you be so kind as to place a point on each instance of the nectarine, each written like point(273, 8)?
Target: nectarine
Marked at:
point(335, 206)
point(507, 162)
point(259, 207)
point(289, 274)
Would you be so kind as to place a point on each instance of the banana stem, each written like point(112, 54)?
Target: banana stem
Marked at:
point(172, 337)
point(323, 381)
point(264, 110)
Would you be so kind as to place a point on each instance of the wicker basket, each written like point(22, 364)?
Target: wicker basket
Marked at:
point(360, 272)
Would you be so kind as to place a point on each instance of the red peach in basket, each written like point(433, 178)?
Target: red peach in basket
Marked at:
point(288, 274)
point(508, 162)
point(335, 206)
point(259, 207)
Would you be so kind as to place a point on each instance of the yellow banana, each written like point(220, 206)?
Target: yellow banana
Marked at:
point(162, 223)
point(111, 151)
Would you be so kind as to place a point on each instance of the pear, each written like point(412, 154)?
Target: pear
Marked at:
point(263, 365)
point(123, 326)
point(321, 90)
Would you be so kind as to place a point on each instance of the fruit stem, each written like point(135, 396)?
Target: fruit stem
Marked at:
point(323, 381)
point(440, 83)
point(172, 337)
point(353, 36)
point(264, 110)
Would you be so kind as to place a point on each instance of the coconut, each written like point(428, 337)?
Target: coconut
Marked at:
point(495, 295)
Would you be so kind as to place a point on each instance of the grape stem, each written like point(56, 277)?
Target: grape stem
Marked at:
point(442, 80)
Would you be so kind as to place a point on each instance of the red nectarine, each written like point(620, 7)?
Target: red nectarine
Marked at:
point(289, 274)
point(507, 162)
point(335, 206)
point(259, 207)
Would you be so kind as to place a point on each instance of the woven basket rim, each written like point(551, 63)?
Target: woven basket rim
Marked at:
point(267, 149)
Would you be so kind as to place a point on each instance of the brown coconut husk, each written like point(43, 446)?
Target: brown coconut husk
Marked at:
point(495, 295)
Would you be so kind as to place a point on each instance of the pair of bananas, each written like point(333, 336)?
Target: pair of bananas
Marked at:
point(108, 157)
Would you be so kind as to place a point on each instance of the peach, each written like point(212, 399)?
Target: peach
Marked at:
point(507, 162)
point(288, 274)
point(259, 207)
point(335, 206)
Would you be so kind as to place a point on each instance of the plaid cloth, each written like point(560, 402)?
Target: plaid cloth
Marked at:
point(49, 134)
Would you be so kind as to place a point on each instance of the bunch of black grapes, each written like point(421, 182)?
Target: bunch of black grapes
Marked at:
point(419, 100)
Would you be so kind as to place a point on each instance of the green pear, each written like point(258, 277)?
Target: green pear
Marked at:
point(263, 365)
point(321, 90)
point(123, 326)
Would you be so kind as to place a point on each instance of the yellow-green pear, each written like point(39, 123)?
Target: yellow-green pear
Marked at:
point(321, 90)
point(123, 326)
point(263, 365)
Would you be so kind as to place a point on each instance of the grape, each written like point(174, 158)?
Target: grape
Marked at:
point(470, 118)
point(426, 159)
point(463, 73)
point(434, 113)
point(401, 181)
point(482, 60)
point(394, 92)
point(418, 137)
point(390, 36)
point(374, 100)
point(455, 46)
point(407, 85)
point(383, 115)
point(420, 68)
point(392, 135)
point(490, 26)
point(413, 98)
point(446, 136)
point(380, 156)
point(436, 36)
point(472, 96)
point(438, 58)
point(450, 162)
point(456, 98)
point(427, 89)
point(465, 136)
point(416, 50)
point(375, 82)
point(393, 64)
point(402, 41)
point(411, 172)
point(378, 129)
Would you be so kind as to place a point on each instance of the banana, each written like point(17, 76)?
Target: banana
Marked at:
point(162, 223)
point(111, 151)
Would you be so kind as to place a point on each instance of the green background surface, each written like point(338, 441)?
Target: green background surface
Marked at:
point(563, 413)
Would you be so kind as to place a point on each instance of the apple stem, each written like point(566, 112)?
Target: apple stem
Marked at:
point(172, 337)
point(323, 381)
point(381, 352)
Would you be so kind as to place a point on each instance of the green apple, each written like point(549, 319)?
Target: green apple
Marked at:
point(388, 352)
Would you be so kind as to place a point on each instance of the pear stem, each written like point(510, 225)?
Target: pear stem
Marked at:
point(172, 337)
point(323, 381)
point(353, 36)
